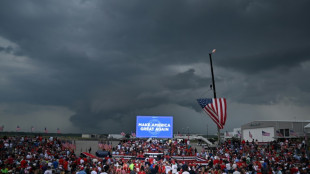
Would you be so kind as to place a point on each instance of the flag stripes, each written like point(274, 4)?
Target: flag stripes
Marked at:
point(216, 109)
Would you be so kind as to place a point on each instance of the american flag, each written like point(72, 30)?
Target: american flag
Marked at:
point(65, 145)
point(239, 134)
point(1, 128)
point(106, 147)
point(123, 134)
point(279, 134)
point(133, 134)
point(179, 133)
point(250, 135)
point(100, 145)
point(18, 128)
point(265, 133)
point(293, 133)
point(32, 128)
point(58, 130)
point(72, 146)
point(68, 145)
point(216, 109)
point(45, 130)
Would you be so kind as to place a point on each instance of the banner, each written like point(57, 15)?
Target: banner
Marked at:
point(154, 127)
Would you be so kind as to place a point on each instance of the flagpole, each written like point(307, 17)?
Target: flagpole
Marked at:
point(214, 92)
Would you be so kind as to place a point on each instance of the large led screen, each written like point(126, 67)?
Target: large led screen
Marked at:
point(154, 126)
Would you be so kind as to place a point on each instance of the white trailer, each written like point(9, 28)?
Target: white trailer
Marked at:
point(115, 136)
point(257, 134)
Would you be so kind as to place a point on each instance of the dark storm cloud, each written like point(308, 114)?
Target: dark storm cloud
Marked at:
point(6, 49)
point(110, 60)
point(284, 59)
point(186, 80)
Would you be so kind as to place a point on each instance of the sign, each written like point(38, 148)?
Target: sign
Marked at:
point(154, 127)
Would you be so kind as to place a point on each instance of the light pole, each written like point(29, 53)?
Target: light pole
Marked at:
point(214, 92)
point(207, 131)
point(187, 133)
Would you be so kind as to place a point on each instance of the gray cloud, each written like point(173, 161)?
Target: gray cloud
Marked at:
point(284, 59)
point(108, 61)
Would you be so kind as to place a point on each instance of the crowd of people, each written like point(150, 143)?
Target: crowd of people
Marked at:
point(139, 147)
point(21, 154)
point(282, 156)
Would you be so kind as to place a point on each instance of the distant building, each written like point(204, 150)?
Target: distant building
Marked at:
point(92, 136)
point(266, 130)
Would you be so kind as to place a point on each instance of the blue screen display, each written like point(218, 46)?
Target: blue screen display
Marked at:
point(154, 126)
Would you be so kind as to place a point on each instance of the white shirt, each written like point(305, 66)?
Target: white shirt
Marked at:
point(228, 166)
point(234, 166)
point(168, 168)
point(174, 168)
point(29, 156)
point(48, 172)
point(255, 167)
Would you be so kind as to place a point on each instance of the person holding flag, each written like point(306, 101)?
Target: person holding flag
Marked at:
point(227, 134)
point(239, 134)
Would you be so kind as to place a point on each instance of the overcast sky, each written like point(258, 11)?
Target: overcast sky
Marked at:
point(93, 66)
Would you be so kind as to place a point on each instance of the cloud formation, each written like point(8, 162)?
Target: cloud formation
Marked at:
point(98, 64)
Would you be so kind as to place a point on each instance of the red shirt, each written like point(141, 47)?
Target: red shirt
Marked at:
point(85, 160)
point(223, 166)
point(10, 160)
point(216, 161)
point(23, 164)
point(66, 165)
point(61, 161)
point(294, 170)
